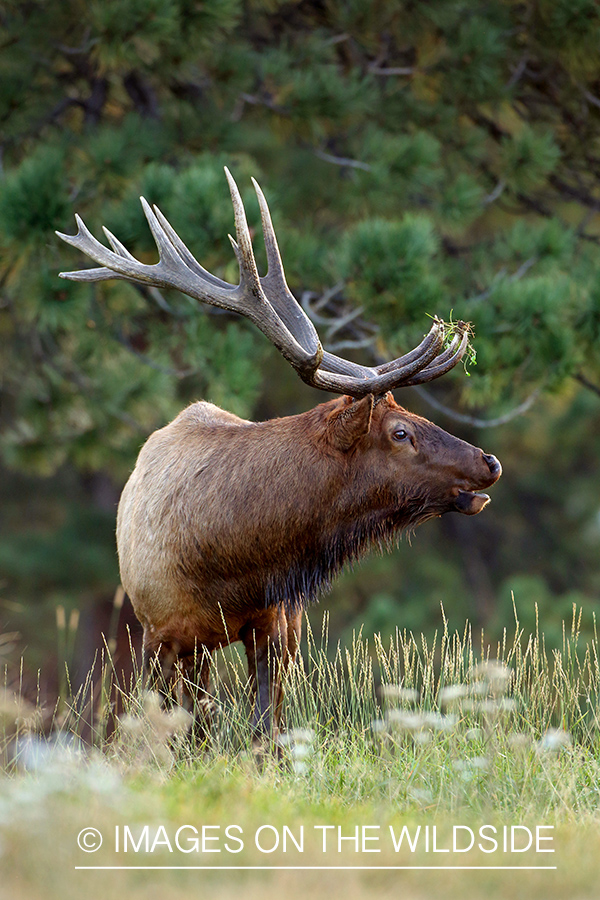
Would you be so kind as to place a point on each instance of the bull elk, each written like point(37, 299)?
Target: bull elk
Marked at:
point(227, 528)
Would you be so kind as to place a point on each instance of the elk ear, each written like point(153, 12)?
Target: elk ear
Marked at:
point(350, 423)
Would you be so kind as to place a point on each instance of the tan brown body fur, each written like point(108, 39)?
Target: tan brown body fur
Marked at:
point(228, 528)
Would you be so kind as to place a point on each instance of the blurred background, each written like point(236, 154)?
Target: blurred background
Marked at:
point(431, 157)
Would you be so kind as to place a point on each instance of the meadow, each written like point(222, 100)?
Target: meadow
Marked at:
point(430, 765)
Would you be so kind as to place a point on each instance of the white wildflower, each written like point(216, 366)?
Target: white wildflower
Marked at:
point(413, 722)
point(520, 741)
point(493, 676)
point(421, 795)
point(149, 736)
point(468, 769)
point(452, 693)
point(554, 740)
point(378, 726)
point(397, 693)
point(298, 742)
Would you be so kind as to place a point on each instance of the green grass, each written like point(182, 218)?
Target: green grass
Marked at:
point(441, 731)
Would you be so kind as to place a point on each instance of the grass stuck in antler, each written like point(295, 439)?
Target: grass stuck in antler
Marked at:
point(457, 327)
point(422, 730)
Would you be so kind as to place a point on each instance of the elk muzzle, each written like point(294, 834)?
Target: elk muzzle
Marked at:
point(472, 502)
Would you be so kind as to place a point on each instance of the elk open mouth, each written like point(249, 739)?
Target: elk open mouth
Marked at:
point(470, 503)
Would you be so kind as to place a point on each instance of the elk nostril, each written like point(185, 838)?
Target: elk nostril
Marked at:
point(493, 464)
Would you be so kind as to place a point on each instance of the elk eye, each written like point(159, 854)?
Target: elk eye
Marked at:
point(400, 434)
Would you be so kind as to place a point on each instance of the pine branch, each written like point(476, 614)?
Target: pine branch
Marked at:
point(577, 193)
point(582, 379)
point(477, 422)
point(142, 94)
point(342, 161)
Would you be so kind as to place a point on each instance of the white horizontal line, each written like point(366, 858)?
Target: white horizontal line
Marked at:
point(328, 868)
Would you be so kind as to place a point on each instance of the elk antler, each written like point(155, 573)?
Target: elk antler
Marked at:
point(267, 301)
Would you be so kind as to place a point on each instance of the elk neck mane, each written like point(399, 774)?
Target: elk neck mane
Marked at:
point(300, 582)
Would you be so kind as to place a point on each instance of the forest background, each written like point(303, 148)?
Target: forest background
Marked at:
point(419, 158)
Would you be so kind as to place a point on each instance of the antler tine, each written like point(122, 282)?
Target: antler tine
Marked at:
point(276, 286)
point(393, 374)
point(85, 241)
point(116, 244)
point(89, 275)
point(169, 258)
point(446, 360)
point(117, 263)
point(426, 364)
point(188, 257)
point(248, 268)
point(369, 382)
point(431, 344)
point(274, 262)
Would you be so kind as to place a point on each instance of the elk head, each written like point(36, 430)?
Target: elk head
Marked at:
point(425, 471)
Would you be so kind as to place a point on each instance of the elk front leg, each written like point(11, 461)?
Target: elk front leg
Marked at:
point(266, 642)
point(294, 632)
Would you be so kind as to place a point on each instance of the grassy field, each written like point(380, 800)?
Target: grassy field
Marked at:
point(434, 766)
